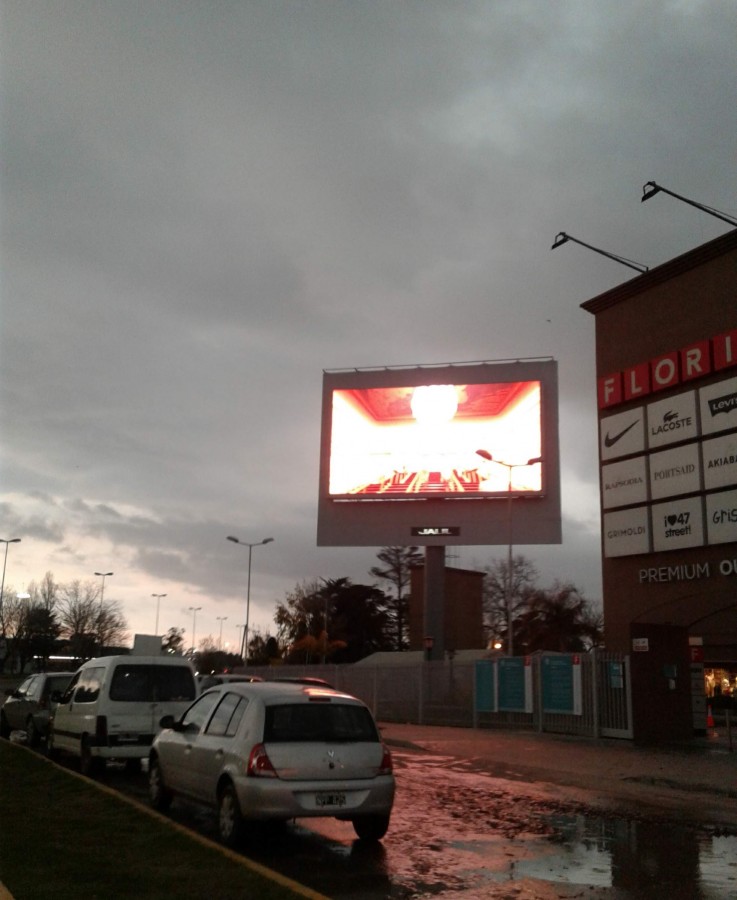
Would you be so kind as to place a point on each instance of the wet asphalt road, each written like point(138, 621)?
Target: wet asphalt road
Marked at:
point(459, 832)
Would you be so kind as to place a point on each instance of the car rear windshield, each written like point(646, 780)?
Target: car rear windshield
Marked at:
point(319, 722)
point(151, 683)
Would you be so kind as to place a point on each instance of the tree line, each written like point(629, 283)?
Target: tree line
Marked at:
point(335, 620)
point(323, 620)
point(32, 625)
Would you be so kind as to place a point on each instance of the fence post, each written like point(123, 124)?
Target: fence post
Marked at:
point(420, 693)
point(595, 691)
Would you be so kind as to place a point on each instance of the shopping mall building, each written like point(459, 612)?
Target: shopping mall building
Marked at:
point(666, 365)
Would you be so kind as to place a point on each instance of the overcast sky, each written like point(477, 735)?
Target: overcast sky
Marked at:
point(206, 204)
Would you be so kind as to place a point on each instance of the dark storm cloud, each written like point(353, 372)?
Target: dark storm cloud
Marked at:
point(204, 205)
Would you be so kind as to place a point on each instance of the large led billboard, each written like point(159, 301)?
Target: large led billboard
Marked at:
point(409, 453)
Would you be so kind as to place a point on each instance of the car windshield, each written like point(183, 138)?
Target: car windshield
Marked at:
point(319, 721)
point(152, 683)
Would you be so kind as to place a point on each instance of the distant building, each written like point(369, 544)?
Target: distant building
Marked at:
point(462, 615)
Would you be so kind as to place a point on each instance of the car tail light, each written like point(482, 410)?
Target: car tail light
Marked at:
point(387, 765)
point(101, 728)
point(259, 764)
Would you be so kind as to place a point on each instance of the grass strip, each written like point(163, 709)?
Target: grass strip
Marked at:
point(63, 837)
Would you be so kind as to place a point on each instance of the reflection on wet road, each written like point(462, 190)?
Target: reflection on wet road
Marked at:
point(458, 832)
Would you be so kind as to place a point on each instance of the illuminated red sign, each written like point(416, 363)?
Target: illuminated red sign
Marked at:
point(668, 370)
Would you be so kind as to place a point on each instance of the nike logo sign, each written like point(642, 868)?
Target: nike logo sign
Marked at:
point(611, 440)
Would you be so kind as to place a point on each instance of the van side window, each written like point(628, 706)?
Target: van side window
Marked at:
point(227, 716)
point(88, 689)
point(67, 695)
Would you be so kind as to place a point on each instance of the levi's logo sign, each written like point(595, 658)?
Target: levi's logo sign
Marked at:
point(725, 404)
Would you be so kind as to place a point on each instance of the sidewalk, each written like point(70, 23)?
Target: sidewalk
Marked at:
point(698, 779)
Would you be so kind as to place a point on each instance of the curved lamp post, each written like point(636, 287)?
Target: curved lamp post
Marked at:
point(235, 540)
point(484, 454)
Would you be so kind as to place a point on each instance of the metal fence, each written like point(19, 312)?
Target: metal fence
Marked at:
point(447, 693)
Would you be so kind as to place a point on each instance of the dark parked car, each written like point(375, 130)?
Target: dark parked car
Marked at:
point(28, 707)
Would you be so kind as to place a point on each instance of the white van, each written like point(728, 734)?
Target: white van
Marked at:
point(112, 707)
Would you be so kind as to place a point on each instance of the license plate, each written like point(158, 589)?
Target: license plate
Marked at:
point(333, 799)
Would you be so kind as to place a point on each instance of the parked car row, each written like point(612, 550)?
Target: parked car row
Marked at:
point(28, 708)
point(252, 750)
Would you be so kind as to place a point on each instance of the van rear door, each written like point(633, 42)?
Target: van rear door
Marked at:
point(140, 694)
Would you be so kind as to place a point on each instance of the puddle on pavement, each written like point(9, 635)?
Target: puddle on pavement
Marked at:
point(638, 859)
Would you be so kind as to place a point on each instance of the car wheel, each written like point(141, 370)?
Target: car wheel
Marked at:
point(158, 795)
point(231, 827)
point(88, 764)
point(371, 828)
point(32, 733)
point(4, 726)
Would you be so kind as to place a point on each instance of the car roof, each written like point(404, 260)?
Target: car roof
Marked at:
point(282, 691)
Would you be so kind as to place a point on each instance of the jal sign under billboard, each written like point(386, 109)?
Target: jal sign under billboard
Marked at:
point(406, 451)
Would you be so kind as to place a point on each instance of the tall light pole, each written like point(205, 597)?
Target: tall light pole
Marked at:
point(194, 610)
point(102, 575)
point(158, 603)
point(221, 619)
point(2, 586)
point(235, 540)
point(484, 454)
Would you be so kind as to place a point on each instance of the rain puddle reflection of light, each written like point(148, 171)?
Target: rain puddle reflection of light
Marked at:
point(662, 860)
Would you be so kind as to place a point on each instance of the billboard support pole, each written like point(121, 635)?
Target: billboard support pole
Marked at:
point(434, 612)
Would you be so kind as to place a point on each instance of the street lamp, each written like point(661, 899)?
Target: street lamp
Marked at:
point(194, 610)
point(102, 575)
point(2, 586)
point(221, 619)
point(235, 540)
point(158, 603)
point(484, 454)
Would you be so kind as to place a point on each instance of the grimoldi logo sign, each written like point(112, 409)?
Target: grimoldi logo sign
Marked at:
point(692, 362)
point(626, 532)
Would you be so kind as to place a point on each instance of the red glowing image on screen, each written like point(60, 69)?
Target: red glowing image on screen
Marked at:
point(400, 442)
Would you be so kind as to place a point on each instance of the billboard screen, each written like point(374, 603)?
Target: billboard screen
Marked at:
point(414, 441)
point(409, 453)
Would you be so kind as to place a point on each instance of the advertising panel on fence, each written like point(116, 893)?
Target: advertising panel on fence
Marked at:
point(485, 674)
point(561, 684)
point(514, 684)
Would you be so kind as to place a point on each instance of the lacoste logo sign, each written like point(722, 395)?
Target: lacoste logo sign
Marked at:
point(611, 439)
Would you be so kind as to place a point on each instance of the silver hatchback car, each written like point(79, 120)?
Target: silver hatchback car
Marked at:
point(265, 751)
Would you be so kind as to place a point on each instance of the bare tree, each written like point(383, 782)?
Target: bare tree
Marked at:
point(87, 622)
point(496, 588)
point(398, 564)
